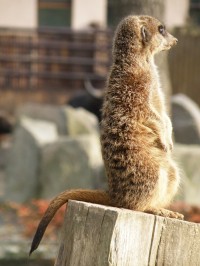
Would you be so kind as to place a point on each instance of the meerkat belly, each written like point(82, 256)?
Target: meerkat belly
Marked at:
point(133, 172)
point(161, 189)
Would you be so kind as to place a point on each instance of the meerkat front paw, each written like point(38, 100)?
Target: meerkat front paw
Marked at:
point(165, 145)
point(171, 146)
point(162, 145)
point(165, 213)
point(170, 142)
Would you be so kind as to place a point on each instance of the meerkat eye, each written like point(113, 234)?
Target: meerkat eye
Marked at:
point(161, 29)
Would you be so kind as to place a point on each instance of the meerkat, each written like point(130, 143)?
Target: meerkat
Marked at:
point(135, 132)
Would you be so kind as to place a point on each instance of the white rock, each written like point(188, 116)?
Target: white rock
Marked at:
point(47, 157)
point(80, 121)
point(42, 131)
point(23, 164)
point(70, 163)
point(185, 120)
point(45, 112)
point(188, 158)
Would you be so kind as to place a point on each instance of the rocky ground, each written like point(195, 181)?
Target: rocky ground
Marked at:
point(18, 223)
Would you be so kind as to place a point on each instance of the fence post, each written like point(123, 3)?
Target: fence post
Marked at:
point(95, 235)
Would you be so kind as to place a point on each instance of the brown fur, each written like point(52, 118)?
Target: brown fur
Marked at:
point(94, 196)
point(135, 130)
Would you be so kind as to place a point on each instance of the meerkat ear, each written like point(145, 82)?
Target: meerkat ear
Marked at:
point(146, 36)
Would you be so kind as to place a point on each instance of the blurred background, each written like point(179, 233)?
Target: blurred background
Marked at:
point(54, 59)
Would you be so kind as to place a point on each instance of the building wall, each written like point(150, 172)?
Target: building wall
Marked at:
point(176, 12)
point(18, 13)
point(24, 13)
point(85, 12)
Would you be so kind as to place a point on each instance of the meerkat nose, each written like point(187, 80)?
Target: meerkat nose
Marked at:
point(175, 41)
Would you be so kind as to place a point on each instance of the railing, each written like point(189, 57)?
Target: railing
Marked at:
point(55, 60)
point(184, 63)
point(52, 58)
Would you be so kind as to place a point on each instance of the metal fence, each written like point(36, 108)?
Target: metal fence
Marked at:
point(52, 58)
point(184, 63)
point(55, 60)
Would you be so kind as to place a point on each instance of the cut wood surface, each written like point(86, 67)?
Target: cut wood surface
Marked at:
point(95, 235)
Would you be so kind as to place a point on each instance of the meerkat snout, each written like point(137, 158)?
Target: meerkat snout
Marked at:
point(171, 40)
point(175, 41)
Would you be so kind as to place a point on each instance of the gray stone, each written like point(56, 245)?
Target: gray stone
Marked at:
point(70, 163)
point(80, 121)
point(185, 120)
point(14, 252)
point(188, 158)
point(46, 152)
point(4, 152)
point(24, 159)
point(49, 113)
point(42, 131)
point(68, 120)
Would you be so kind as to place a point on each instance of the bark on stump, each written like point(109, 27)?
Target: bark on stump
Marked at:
point(95, 235)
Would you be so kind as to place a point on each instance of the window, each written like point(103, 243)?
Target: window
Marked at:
point(54, 13)
point(195, 10)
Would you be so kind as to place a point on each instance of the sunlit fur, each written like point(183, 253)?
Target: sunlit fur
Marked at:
point(136, 130)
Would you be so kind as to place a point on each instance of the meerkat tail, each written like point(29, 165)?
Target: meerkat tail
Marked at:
point(93, 196)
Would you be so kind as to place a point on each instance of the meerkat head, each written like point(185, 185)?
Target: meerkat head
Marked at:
point(141, 35)
point(155, 37)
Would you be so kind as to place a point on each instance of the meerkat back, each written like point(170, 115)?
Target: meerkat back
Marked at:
point(135, 129)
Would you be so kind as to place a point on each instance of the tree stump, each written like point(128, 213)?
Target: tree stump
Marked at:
point(95, 235)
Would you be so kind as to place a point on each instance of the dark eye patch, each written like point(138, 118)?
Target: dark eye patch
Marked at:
point(162, 29)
